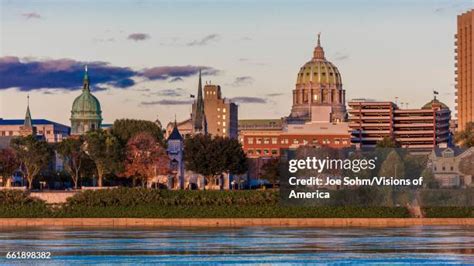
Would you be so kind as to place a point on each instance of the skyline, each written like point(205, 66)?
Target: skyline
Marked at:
point(144, 55)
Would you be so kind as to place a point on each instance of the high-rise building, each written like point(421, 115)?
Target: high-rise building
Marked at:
point(86, 113)
point(465, 69)
point(416, 129)
point(221, 113)
point(211, 114)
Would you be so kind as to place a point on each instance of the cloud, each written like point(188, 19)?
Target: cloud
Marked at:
point(138, 37)
point(176, 79)
point(66, 74)
point(244, 100)
point(251, 62)
point(173, 72)
point(274, 94)
point(242, 81)
point(168, 102)
point(171, 92)
point(31, 15)
point(205, 41)
point(246, 38)
point(340, 56)
point(104, 40)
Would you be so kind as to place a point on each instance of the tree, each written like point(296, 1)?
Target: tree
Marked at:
point(8, 163)
point(105, 150)
point(392, 166)
point(125, 129)
point(387, 142)
point(73, 155)
point(466, 165)
point(33, 154)
point(211, 157)
point(429, 180)
point(465, 138)
point(271, 171)
point(144, 157)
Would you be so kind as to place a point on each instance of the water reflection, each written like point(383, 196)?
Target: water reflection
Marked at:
point(439, 244)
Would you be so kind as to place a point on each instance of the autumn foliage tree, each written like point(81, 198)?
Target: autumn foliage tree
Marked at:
point(8, 164)
point(145, 158)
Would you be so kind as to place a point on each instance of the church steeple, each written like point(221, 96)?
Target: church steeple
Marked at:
point(28, 123)
point(85, 86)
point(199, 119)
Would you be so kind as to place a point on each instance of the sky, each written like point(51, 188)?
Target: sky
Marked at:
point(143, 56)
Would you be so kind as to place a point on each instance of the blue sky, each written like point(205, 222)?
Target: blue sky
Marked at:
point(144, 55)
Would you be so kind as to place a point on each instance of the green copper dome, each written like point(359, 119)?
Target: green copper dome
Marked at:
point(86, 106)
point(86, 113)
point(434, 103)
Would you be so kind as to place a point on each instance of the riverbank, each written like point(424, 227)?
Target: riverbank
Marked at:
point(233, 222)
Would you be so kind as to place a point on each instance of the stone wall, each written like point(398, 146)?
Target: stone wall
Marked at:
point(234, 222)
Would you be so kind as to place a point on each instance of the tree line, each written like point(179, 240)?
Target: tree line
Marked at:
point(132, 149)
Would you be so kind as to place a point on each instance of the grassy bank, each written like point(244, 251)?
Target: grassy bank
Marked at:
point(136, 202)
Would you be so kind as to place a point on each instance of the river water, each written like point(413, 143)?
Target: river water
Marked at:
point(252, 245)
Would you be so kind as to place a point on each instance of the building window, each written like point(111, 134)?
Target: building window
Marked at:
point(258, 151)
point(274, 141)
point(250, 151)
point(344, 142)
point(3, 133)
point(274, 152)
point(223, 117)
point(218, 109)
point(336, 141)
point(266, 141)
point(223, 110)
point(223, 123)
point(444, 168)
point(265, 152)
point(295, 141)
point(315, 141)
point(250, 140)
point(219, 123)
point(259, 141)
point(223, 130)
point(305, 142)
